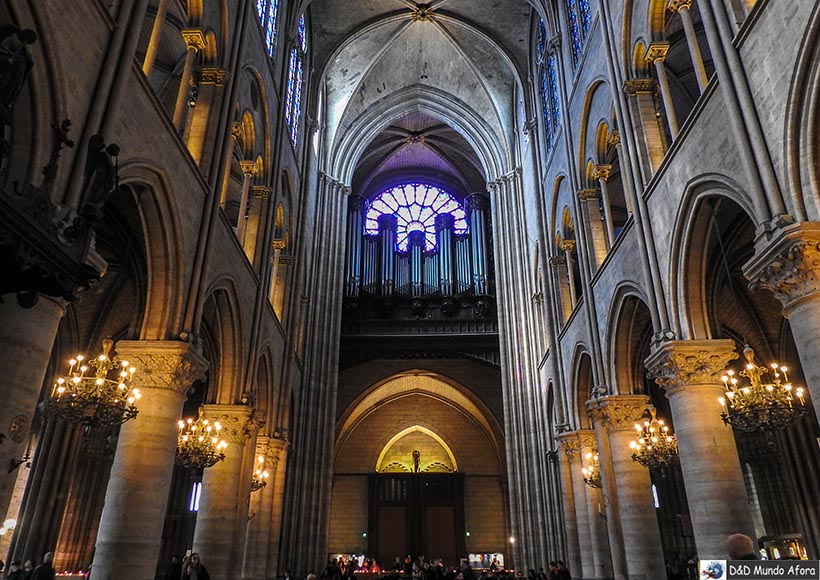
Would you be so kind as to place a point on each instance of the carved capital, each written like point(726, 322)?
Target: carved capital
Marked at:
point(602, 172)
point(557, 261)
point(286, 260)
point(678, 5)
point(567, 245)
point(789, 266)
point(618, 412)
point(163, 364)
point(194, 39)
point(634, 86)
point(614, 139)
point(656, 51)
point(237, 421)
point(211, 75)
point(570, 444)
point(679, 363)
point(261, 192)
point(248, 168)
point(270, 448)
point(236, 130)
point(586, 438)
point(279, 245)
point(588, 194)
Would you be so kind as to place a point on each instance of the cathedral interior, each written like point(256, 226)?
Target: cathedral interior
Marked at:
point(509, 281)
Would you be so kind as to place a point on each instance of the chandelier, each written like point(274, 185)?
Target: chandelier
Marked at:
point(199, 445)
point(656, 445)
point(592, 470)
point(260, 475)
point(93, 393)
point(759, 405)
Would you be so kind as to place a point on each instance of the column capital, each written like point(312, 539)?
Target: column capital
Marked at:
point(634, 86)
point(213, 75)
point(679, 363)
point(571, 445)
point(279, 245)
point(618, 412)
point(355, 202)
point(557, 261)
point(567, 245)
point(656, 51)
point(163, 364)
point(194, 39)
point(586, 438)
point(614, 139)
point(790, 265)
point(236, 130)
point(678, 5)
point(588, 194)
point(261, 191)
point(602, 171)
point(270, 447)
point(248, 168)
point(477, 201)
point(236, 420)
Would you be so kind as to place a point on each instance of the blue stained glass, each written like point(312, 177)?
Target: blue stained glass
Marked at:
point(415, 209)
point(552, 67)
point(545, 102)
point(586, 16)
point(542, 42)
point(300, 32)
point(297, 102)
point(260, 10)
point(270, 26)
point(292, 65)
point(574, 30)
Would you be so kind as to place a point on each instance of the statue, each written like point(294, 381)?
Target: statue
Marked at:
point(15, 62)
point(100, 177)
point(416, 459)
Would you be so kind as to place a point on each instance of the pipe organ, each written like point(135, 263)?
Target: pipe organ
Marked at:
point(454, 264)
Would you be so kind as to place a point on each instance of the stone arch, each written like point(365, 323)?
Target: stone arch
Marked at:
point(687, 247)
point(591, 118)
point(582, 385)
point(629, 331)
point(163, 248)
point(380, 462)
point(221, 322)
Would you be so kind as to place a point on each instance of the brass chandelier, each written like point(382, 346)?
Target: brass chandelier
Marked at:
point(758, 405)
point(96, 391)
point(199, 445)
point(592, 470)
point(655, 446)
point(260, 475)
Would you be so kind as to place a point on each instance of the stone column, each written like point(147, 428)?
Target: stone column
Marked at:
point(26, 334)
point(589, 199)
point(223, 507)
point(683, 8)
point(599, 542)
point(278, 246)
point(602, 173)
point(559, 264)
point(615, 141)
point(156, 38)
point(194, 41)
point(690, 372)
point(248, 171)
point(656, 54)
point(261, 529)
point(789, 267)
point(260, 205)
point(568, 247)
point(576, 552)
point(651, 140)
point(144, 460)
point(617, 414)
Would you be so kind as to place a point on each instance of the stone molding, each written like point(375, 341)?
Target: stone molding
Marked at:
point(634, 86)
point(680, 363)
point(237, 421)
point(212, 75)
point(163, 364)
point(678, 5)
point(194, 39)
point(656, 51)
point(789, 266)
point(618, 412)
point(588, 194)
point(567, 245)
point(602, 172)
point(557, 261)
point(261, 192)
point(614, 139)
point(570, 444)
point(248, 168)
point(586, 437)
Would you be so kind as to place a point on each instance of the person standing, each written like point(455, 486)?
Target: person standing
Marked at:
point(44, 571)
point(174, 571)
point(741, 547)
point(193, 569)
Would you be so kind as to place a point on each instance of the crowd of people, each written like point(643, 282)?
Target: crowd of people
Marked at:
point(28, 570)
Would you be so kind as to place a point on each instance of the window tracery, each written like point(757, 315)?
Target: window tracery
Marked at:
point(547, 67)
point(268, 11)
point(415, 206)
point(293, 100)
point(579, 14)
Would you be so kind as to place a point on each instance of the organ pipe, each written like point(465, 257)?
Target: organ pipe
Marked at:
point(477, 205)
point(463, 277)
point(370, 264)
point(388, 224)
point(444, 235)
point(353, 255)
point(416, 256)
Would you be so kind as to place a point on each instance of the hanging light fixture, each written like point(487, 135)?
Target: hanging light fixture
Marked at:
point(94, 393)
point(260, 475)
point(199, 445)
point(592, 470)
point(655, 446)
point(758, 405)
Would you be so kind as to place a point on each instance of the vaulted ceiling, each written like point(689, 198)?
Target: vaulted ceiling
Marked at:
point(382, 63)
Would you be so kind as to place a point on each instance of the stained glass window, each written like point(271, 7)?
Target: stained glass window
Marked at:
point(586, 16)
point(268, 12)
point(415, 206)
point(580, 21)
point(293, 98)
point(546, 64)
